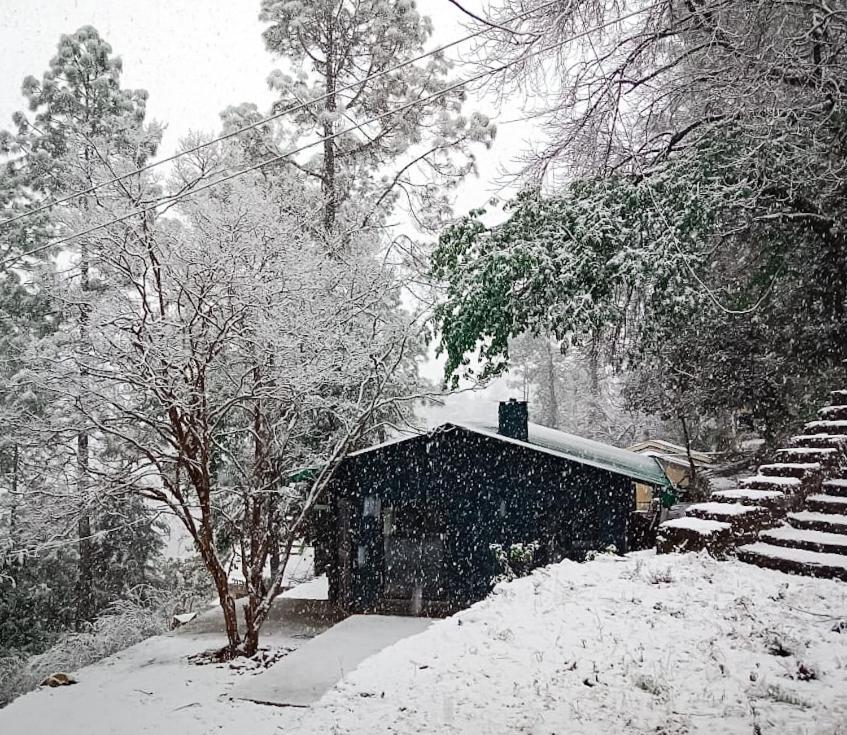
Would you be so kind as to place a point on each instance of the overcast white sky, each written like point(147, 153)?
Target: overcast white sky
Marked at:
point(196, 57)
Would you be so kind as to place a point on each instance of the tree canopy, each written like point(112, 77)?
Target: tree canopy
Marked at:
point(687, 206)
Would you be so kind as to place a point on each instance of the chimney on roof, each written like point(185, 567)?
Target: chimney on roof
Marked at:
point(513, 417)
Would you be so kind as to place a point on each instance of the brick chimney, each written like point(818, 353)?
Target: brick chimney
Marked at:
point(512, 419)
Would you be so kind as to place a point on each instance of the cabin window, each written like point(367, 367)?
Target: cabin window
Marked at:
point(371, 506)
point(501, 511)
point(643, 496)
point(389, 522)
point(416, 519)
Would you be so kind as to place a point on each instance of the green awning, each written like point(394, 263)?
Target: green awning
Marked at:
point(304, 474)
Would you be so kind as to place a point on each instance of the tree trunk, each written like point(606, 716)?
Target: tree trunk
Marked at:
point(230, 619)
point(204, 539)
point(594, 368)
point(273, 528)
point(13, 515)
point(692, 483)
point(252, 626)
point(553, 401)
point(85, 575)
point(328, 174)
point(596, 414)
point(227, 601)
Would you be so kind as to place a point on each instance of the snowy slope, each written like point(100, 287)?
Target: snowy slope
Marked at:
point(648, 645)
point(668, 644)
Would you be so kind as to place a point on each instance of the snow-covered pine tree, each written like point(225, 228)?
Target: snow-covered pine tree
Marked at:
point(83, 128)
point(333, 50)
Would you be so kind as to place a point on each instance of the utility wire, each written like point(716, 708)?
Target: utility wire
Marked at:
point(167, 201)
point(270, 118)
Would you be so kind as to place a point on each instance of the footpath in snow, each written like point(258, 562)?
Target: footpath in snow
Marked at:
point(303, 676)
point(645, 644)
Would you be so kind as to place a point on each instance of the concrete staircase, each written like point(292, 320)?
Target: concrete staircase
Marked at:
point(790, 516)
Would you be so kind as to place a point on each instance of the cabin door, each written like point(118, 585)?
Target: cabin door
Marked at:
point(413, 542)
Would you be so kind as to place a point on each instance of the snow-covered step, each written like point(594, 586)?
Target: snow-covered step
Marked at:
point(749, 496)
point(785, 485)
point(722, 510)
point(698, 525)
point(746, 520)
point(827, 503)
point(693, 534)
point(799, 538)
point(827, 522)
point(832, 413)
point(832, 441)
point(790, 469)
point(795, 561)
point(839, 396)
point(836, 486)
point(835, 426)
point(826, 456)
point(783, 482)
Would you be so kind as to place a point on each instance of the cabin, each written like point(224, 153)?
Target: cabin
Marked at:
point(416, 525)
point(676, 464)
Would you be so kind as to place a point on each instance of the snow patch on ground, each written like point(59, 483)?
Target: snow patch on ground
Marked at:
point(674, 644)
point(314, 589)
point(149, 688)
point(646, 644)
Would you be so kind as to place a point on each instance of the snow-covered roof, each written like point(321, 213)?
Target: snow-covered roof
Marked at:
point(567, 446)
point(582, 450)
point(676, 459)
point(668, 450)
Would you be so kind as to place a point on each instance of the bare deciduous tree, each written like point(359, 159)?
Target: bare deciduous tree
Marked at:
point(226, 350)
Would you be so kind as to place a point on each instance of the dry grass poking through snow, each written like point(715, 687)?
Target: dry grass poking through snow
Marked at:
point(124, 624)
point(667, 645)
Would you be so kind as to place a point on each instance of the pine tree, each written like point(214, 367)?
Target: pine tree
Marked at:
point(334, 48)
point(84, 127)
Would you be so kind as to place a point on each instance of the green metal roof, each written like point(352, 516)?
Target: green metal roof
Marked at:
point(585, 451)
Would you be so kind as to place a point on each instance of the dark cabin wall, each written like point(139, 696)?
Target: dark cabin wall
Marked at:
point(486, 491)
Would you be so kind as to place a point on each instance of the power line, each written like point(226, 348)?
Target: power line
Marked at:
point(265, 120)
point(166, 201)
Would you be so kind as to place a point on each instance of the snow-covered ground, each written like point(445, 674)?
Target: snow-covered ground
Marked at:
point(300, 568)
point(645, 644)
